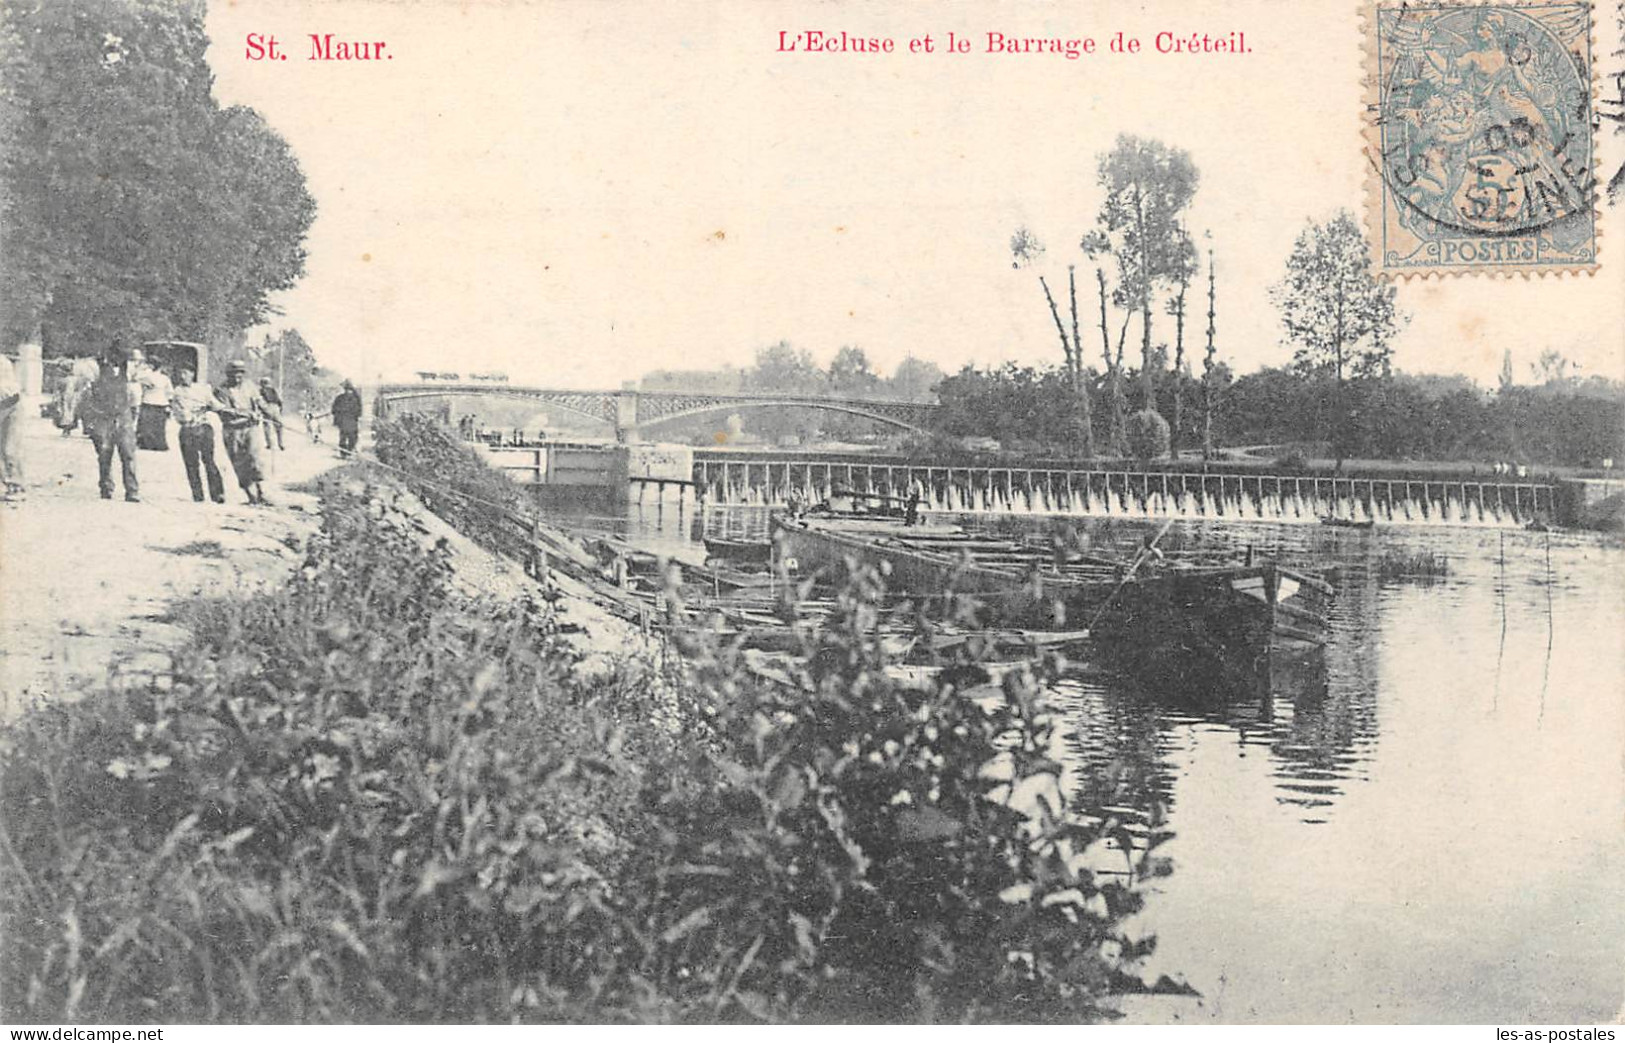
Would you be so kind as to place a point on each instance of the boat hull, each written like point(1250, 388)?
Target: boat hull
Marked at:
point(744, 551)
point(1212, 627)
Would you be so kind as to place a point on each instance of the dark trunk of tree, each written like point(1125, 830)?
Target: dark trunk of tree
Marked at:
point(1116, 414)
point(1178, 419)
point(1148, 385)
point(1086, 420)
point(1207, 370)
point(1066, 348)
point(1339, 435)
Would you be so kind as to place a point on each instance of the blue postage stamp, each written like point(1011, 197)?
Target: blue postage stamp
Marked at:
point(1480, 135)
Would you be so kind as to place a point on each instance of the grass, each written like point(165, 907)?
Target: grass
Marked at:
point(369, 798)
point(1405, 564)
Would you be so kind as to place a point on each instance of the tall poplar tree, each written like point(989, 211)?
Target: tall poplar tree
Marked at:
point(1148, 187)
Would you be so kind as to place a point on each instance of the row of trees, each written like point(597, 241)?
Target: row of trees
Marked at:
point(1380, 414)
point(133, 203)
point(1396, 416)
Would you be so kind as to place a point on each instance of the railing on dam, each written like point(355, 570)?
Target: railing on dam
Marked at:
point(1136, 494)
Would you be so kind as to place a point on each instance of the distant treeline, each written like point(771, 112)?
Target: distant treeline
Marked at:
point(790, 370)
point(1401, 416)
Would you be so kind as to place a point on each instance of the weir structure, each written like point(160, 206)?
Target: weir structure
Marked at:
point(725, 477)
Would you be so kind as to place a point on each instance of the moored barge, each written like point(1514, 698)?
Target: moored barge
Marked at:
point(1208, 622)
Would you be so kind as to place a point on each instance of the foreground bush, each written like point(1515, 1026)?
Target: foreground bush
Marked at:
point(366, 798)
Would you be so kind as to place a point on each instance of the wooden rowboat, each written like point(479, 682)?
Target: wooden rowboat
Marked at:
point(744, 551)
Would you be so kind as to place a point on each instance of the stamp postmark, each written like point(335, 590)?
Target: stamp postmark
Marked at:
point(1479, 132)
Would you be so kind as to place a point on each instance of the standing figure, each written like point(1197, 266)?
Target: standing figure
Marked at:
point(72, 393)
point(108, 411)
point(241, 413)
point(190, 405)
point(154, 404)
point(347, 417)
point(273, 414)
point(11, 460)
point(313, 419)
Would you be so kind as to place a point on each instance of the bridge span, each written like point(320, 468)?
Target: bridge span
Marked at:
point(631, 413)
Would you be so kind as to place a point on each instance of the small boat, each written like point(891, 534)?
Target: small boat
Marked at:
point(725, 548)
point(1212, 621)
point(1349, 523)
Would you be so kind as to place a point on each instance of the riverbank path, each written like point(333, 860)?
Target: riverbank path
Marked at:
point(88, 587)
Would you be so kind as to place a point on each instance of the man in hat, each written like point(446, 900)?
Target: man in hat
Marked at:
point(241, 412)
point(347, 416)
point(273, 414)
point(109, 416)
point(190, 405)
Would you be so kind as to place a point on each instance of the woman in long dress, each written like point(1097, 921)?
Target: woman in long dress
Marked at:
point(150, 431)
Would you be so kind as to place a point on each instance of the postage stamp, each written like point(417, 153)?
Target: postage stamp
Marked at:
point(1480, 137)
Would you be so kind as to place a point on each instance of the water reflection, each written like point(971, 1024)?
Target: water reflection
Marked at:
point(1421, 822)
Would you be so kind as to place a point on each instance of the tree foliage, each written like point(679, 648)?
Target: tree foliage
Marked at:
point(132, 202)
point(1342, 319)
point(1148, 436)
point(1148, 186)
point(1018, 405)
point(1420, 418)
point(850, 372)
point(784, 367)
point(916, 379)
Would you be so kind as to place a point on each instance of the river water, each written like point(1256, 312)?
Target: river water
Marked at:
point(1425, 822)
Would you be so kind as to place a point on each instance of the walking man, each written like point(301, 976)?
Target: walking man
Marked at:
point(241, 413)
point(347, 417)
point(109, 415)
point(273, 414)
point(190, 404)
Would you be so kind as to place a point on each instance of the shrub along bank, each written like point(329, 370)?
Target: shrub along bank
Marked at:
point(370, 798)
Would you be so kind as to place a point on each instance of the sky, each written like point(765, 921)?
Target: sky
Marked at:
point(575, 193)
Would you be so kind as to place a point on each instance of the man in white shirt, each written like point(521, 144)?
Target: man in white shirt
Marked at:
point(190, 404)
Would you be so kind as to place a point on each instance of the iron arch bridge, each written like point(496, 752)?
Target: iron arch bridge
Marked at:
point(631, 413)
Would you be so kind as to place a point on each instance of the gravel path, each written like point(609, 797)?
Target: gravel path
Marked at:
point(88, 586)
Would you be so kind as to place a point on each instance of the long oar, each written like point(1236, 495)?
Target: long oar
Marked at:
point(1145, 552)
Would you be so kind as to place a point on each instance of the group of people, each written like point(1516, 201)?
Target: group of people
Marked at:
point(124, 403)
point(129, 402)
